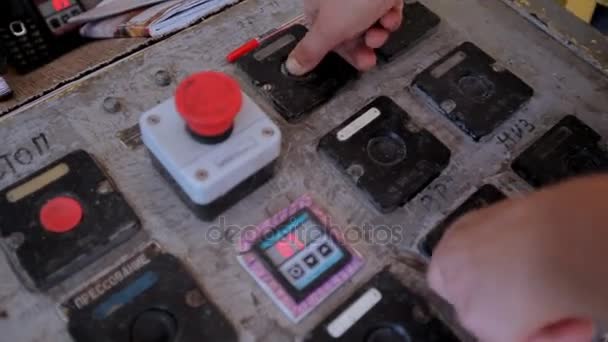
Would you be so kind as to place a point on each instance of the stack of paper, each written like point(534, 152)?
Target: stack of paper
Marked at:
point(145, 18)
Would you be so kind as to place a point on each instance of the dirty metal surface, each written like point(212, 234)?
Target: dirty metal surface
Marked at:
point(80, 116)
point(583, 40)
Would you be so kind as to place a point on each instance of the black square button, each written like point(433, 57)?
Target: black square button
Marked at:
point(311, 261)
point(388, 311)
point(55, 24)
point(485, 196)
point(570, 148)
point(418, 23)
point(325, 250)
point(150, 297)
point(64, 217)
point(473, 91)
point(380, 152)
point(292, 96)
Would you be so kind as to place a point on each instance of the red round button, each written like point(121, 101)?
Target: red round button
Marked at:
point(208, 102)
point(61, 214)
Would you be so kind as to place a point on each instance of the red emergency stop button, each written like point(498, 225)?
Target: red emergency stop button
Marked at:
point(61, 214)
point(208, 102)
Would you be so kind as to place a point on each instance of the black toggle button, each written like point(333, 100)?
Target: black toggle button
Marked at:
point(154, 325)
point(389, 333)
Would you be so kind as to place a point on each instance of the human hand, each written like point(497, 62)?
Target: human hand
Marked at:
point(354, 28)
point(531, 269)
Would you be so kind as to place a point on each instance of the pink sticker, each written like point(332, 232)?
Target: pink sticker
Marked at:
point(282, 261)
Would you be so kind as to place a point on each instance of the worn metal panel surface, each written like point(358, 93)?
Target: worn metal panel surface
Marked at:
point(583, 40)
point(74, 117)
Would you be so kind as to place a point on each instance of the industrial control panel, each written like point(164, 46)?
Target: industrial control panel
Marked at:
point(237, 202)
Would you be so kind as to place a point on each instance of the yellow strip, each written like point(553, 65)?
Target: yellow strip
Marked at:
point(582, 8)
point(37, 183)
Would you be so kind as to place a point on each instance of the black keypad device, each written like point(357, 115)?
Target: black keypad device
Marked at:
point(294, 96)
point(36, 31)
point(386, 310)
point(63, 217)
point(472, 90)
point(418, 23)
point(152, 297)
point(571, 148)
point(388, 161)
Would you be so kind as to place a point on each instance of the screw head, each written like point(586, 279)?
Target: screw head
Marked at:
point(111, 105)
point(201, 175)
point(448, 106)
point(153, 119)
point(162, 78)
point(15, 240)
point(497, 67)
point(420, 315)
point(268, 132)
point(356, 171)
point(194, 298)
point(104, 188)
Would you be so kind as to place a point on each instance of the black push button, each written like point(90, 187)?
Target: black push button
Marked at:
point(55, 23)
point(151, 297)
point(388, 333)
point(154, 325)
point(387, 311)
point(69, 214)
point(571, 148)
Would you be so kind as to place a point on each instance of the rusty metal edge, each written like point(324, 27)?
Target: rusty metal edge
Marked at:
point(585, 41)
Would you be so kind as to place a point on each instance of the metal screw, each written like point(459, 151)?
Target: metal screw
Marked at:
point(104, 188)
point(194, 298)
point(111, 105)
point(162, 78)
point(268, 132)
point(15, 240)
point(356, 171)
point(153, 119)
point(448, 106)
point(420, 315)
point(202, 175)
point(267, 87)
point(497, 67)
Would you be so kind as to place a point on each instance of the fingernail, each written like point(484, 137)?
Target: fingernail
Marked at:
point(294, 67)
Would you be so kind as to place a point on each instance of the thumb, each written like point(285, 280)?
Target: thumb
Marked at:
point(310, 51)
